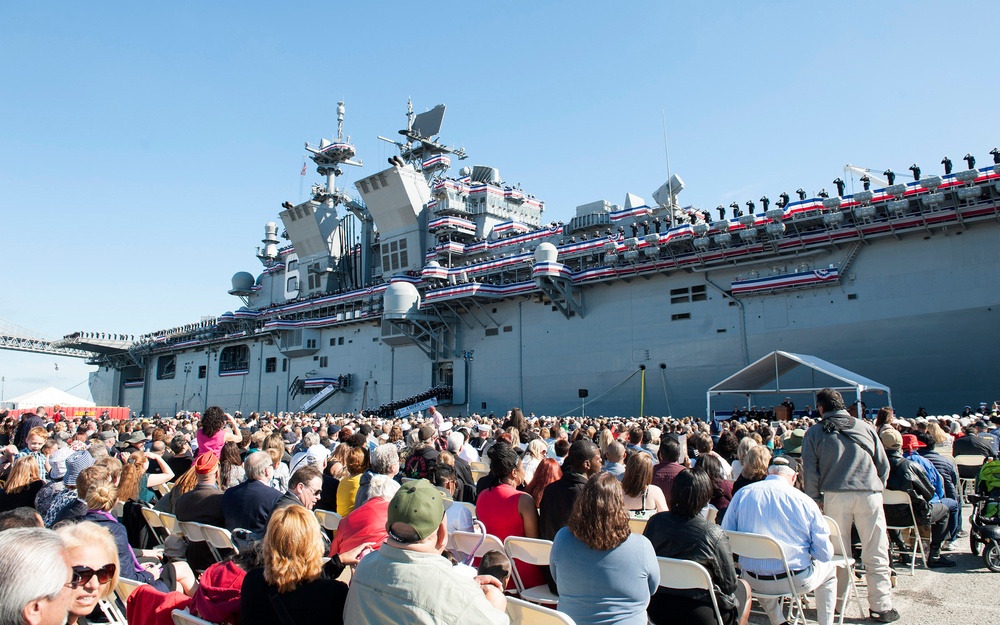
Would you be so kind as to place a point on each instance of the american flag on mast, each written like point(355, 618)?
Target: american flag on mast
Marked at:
point(303, 172)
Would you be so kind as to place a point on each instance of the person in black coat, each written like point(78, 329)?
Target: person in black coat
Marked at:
point(249, 505)
point(202, 504)
point(907, 476)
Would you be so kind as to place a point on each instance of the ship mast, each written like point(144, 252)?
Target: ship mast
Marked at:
point(329, 157)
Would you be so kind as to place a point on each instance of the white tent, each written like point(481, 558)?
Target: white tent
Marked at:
point(764, 376)
point(49, 396)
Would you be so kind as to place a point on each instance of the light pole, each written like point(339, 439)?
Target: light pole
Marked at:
point(467, 355)
point(187, 372)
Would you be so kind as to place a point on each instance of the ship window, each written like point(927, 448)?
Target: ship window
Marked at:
point(852, 296)
point(680, 316)
point(202, 371)
point(382, 178)
point(166, 367)
point(374, 182)
point(284, 365)
point(364, 185)
point(270, 365)
point(333, 342)
point(492, 332)
point(234, 358)
point(680, 296)
point(340, 341)
point(720, 331)
point(508, 328)
point(324, 361)
point(310, 343)
point(698, 293)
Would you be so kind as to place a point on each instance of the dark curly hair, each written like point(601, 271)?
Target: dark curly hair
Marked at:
point(213, 420)
point(600, 518)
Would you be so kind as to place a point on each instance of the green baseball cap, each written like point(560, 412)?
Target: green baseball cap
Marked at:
point(419, 505)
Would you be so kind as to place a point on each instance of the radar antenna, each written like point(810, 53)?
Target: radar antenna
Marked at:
point(421, 136)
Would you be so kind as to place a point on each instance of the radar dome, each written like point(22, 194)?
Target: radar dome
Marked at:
point(546, 253)
point(400, 298)
point(243, 281)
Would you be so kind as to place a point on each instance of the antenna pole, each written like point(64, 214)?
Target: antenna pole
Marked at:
point(670, 189)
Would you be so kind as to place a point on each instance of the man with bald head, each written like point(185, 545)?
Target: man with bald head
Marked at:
point(615, 453)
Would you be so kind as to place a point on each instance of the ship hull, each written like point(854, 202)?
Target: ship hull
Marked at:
point(917, 313)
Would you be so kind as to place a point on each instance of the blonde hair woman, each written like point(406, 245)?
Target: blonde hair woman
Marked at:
point(91, 551)
point(291, 588)
point(754, 467)
point(22, 485)
point(533, 456)
point(135, 483)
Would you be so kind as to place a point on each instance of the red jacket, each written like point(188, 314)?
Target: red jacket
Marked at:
point(362, 525)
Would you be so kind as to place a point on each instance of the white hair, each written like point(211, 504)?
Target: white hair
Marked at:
point(455, 442)
point(23, 553)
point(382, 486)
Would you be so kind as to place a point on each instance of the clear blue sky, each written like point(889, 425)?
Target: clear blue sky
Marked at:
point(142, 148)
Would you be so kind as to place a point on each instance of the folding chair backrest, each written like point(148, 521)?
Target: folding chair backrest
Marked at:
point(525, 613)
point(183, 617)
point(479, 466)
point(637, 525)
point(192, 531)
point(528, 550)
point(711, 513)
point(218, 537)
point(470, 506)
point(895, 498)
point(328, 519)
point(125, 588)
point(469, 543)
point(119, 510)
point(169, 522)
point(152, 517)
point(756, 546)
point(970, 460)
point(836, 538)
point(683, 574)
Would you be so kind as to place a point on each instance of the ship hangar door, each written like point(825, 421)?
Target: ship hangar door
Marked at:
point(444, 374)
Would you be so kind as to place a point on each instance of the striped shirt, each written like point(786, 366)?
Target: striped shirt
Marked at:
point(775, 508)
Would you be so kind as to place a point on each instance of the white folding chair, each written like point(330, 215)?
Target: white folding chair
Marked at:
point(902, 498)
point(183, 617)
point(170, 523)
point(470, 506)
point(328, 519)
point(711, 512)
point(685, 575)
point(761, 547)
point(527, 613)
point(119, 510)
point(112, 612)
point(125, 588)
point(474, 543)
point(637, 524)
point(971, 463)
point(219, 539)
point(152, 518)
point(843, 560)
point(530, 551)
point(480, 466)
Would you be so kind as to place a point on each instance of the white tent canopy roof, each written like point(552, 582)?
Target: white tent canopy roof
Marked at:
point(763, 376)
point(49, 396)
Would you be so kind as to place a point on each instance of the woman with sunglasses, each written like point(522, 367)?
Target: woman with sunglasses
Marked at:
point(92, 553)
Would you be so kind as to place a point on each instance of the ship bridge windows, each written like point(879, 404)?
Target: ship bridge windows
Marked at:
point(166, 367)
point(234, 358)
point(684, 295)
point(270, 365)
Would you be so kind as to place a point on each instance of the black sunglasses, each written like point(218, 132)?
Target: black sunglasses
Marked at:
point(82, 575)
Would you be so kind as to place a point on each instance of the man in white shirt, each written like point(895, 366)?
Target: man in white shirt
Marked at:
point(775, 508)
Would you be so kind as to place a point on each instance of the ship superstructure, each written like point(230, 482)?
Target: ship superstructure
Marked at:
point(433, 281)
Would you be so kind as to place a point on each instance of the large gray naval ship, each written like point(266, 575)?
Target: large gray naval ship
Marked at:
point(431, 282)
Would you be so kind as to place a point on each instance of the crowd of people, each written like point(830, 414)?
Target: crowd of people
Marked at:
point(74, 490)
